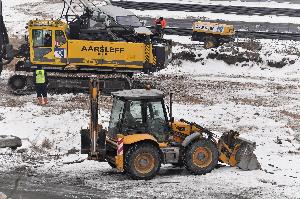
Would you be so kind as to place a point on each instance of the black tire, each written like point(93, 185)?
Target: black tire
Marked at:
point(201, 157)
point(142, 152)
point(17, 82)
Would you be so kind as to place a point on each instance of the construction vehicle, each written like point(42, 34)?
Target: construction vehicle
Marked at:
point(6, 50)
point(104, 42)
point(212, 34)
point(141, 136)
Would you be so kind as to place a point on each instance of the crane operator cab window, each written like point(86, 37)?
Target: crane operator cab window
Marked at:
point(42, 43)
point(60, 38)
point(42, 38)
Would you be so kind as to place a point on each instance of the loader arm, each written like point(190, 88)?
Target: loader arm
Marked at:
point(233, 150)
point(237, 151)
point(96, 134)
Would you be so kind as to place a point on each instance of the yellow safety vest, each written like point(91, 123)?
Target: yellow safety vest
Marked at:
point(40, 77)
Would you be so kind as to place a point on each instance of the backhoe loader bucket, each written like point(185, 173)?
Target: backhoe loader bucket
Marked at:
point(237, 151)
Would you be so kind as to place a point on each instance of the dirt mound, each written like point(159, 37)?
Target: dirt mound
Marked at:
point(280, 64)
point(237, 52)
point(186, 55)
point(235, 58)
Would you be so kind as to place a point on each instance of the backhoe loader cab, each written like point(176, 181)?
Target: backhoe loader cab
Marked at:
point(139, 110)
point(140, 137)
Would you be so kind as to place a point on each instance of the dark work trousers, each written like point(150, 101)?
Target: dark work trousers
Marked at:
point(41, 90)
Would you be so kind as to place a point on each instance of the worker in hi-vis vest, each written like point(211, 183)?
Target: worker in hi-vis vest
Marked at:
point(41, 84)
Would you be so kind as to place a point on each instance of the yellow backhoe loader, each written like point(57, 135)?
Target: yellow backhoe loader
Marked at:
point(141, 136)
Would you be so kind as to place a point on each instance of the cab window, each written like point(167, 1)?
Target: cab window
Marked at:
point(115, 118)
point(42, 38)
point(156, 120)
point(60, 38)
point(132, 116)
point(135, 109)
point(155, 111)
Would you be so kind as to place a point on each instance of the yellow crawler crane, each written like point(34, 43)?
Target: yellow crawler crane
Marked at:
point(141, 137)
point(74, 61)
point(212, 34)
point(63, 52)
point(105, 42)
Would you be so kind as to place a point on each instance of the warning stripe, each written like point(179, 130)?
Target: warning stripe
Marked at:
point(147, 53)
point(154, 60)
point(120, 147)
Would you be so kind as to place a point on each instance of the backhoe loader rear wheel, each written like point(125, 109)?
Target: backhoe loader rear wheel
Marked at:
point(142, 161)
point(201, 157)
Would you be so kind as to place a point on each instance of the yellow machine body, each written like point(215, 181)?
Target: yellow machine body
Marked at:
point(213, 28)
point(181, 131)
point(212, 34)
point(64, 52)
point(140, 137)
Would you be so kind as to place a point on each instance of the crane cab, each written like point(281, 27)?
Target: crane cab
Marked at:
point(48, 42)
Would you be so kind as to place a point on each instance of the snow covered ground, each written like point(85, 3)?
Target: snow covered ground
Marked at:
point(260, 102)
point(257, 3)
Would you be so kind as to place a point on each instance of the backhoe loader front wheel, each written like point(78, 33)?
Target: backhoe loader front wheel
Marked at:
point(142, 161)
point(201, 157)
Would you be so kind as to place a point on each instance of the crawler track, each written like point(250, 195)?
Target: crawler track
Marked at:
point(64, 82)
